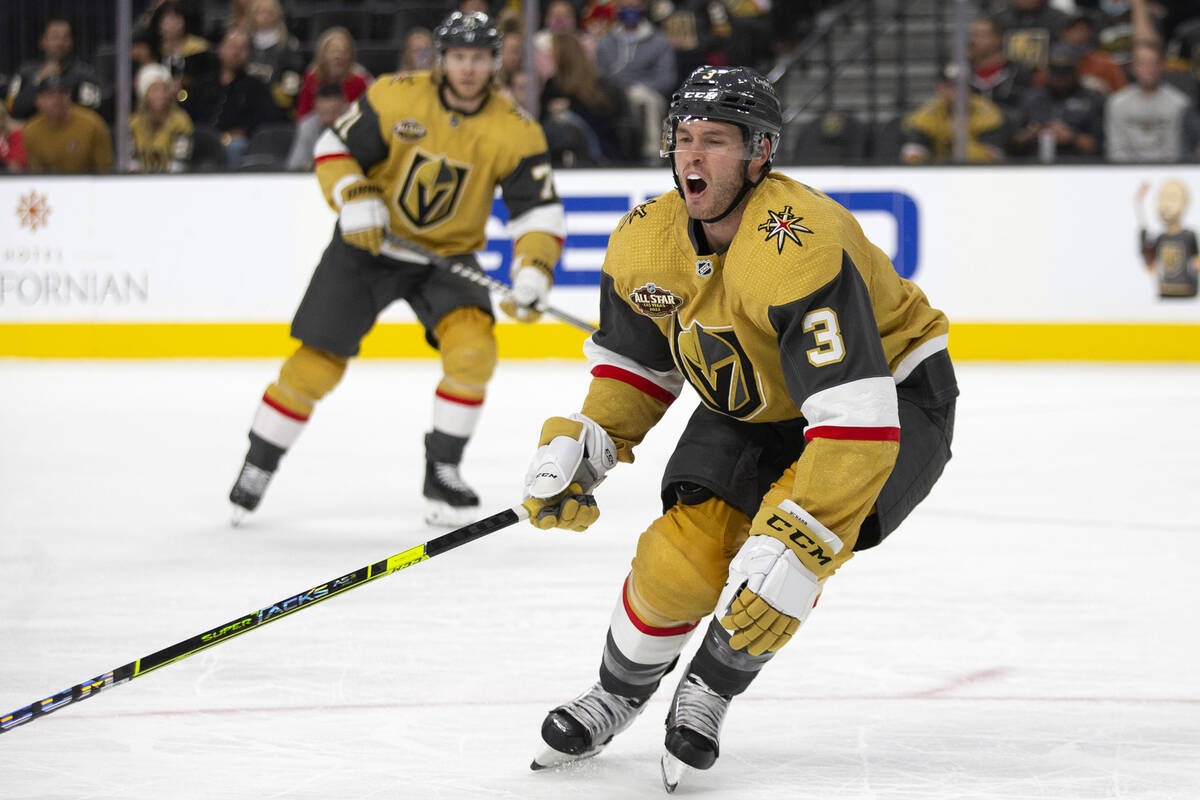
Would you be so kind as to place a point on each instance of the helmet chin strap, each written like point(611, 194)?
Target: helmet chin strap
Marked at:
point(747, 185)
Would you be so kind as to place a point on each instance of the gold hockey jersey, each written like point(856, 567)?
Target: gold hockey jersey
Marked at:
point(801, 316)
point(439, 167)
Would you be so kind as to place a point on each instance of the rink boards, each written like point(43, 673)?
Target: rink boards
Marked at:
point(1030, 263)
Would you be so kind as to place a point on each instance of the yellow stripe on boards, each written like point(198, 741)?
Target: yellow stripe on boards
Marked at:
point(968, 341)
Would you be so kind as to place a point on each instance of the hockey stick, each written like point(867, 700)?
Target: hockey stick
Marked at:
point(256, 619)
point(403, 250)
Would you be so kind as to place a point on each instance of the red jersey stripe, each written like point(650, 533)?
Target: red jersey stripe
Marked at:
point(633, 379)
point(858, 434)
point(460, 400)
point(329, 157)
point(285, 411)
point(650, 630)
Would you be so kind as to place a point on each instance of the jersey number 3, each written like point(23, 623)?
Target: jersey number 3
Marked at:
point(823, 324)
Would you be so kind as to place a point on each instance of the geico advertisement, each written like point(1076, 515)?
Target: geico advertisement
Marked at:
point(987, 244)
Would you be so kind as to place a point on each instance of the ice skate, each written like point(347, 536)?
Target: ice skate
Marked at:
point(449, 501)
point(583, 727)
point(248, 491)
point(693, 729)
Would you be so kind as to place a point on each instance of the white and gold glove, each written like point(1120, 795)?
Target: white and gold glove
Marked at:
point(362, 215)
point(572, 458)
point(529, 289)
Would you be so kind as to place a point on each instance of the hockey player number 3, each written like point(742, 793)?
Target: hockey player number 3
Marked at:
point(824, 324)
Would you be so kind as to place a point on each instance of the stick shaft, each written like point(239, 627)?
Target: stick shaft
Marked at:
point(403, 250)
point(256, 619)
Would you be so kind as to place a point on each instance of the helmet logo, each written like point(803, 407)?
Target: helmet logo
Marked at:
point(782, 226)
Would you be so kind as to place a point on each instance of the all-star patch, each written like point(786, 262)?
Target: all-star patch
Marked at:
point(655, 301)
point(783, 225)
point(410, 130)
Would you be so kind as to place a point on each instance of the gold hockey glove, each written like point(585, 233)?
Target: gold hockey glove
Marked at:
point(572, 510)
point(362, 215)
point(574, 454)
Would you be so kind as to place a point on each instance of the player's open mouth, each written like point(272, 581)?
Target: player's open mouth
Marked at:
point(695, 184)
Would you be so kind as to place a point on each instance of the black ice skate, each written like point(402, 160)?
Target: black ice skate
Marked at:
point(260, 464)
point(693, 729)
point(247, 493)
point(450, 501)
point(583, 727)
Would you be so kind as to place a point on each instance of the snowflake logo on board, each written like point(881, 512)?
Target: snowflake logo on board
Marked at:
point(33, 211)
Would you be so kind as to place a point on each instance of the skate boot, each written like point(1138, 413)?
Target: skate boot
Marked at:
point(693, 729)
point(583, 727)
point(257, 469)
point(450, 502)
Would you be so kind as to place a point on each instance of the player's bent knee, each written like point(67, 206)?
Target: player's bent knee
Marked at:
point(307, 376)
point(468, 346)
point(683, 557)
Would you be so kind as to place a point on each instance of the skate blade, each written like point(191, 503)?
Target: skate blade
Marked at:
point(673, 771)
point(238, 515)
point(549, 758)
point(444, 515)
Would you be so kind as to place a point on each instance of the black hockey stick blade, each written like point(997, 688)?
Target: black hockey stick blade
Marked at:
point(400, 249)
point(256, 619)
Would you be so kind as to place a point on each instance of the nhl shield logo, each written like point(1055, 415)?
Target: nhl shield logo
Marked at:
point(704, 267)
point(432, 189)
point(654, 301)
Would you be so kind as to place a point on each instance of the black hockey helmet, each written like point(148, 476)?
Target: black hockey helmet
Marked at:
point(472, 29)
point(738, 95)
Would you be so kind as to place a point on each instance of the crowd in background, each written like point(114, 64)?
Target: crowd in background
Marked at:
point(250, 84)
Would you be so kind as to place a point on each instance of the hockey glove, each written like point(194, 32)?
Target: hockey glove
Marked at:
point(529, 290)
point(775, 579)
point(362, 215)
point(572, 458)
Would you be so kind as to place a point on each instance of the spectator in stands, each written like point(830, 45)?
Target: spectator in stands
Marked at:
point(161, 131)
point(637, 57)
point(275, 57)
point(577, 98)
point(560, 17)
point(417, 54)
point(185, 54)
point(1030, 26)
point(333, 62)
point(12, 143)
point(1097, 70)
point(330, 104)
point(993, 75)
point(57, 46)
point(1145, 120)
point(598, 17)
point(64, 136)
point(230, 101)
point(1063, 118)
point(929, 131)
point(237, 16)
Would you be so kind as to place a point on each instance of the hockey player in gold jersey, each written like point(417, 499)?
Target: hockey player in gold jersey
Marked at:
point(827, 407)
point(420, 155)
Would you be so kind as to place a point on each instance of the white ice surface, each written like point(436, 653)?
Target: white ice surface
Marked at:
point(1030, 632)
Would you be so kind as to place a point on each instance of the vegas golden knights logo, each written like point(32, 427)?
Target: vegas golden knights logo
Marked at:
point(713, 361)
point(432, 189)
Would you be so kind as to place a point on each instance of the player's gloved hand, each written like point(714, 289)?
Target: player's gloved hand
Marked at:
point(362, 215)
point(529, 289)
point(770, 590)
point(572, 458)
